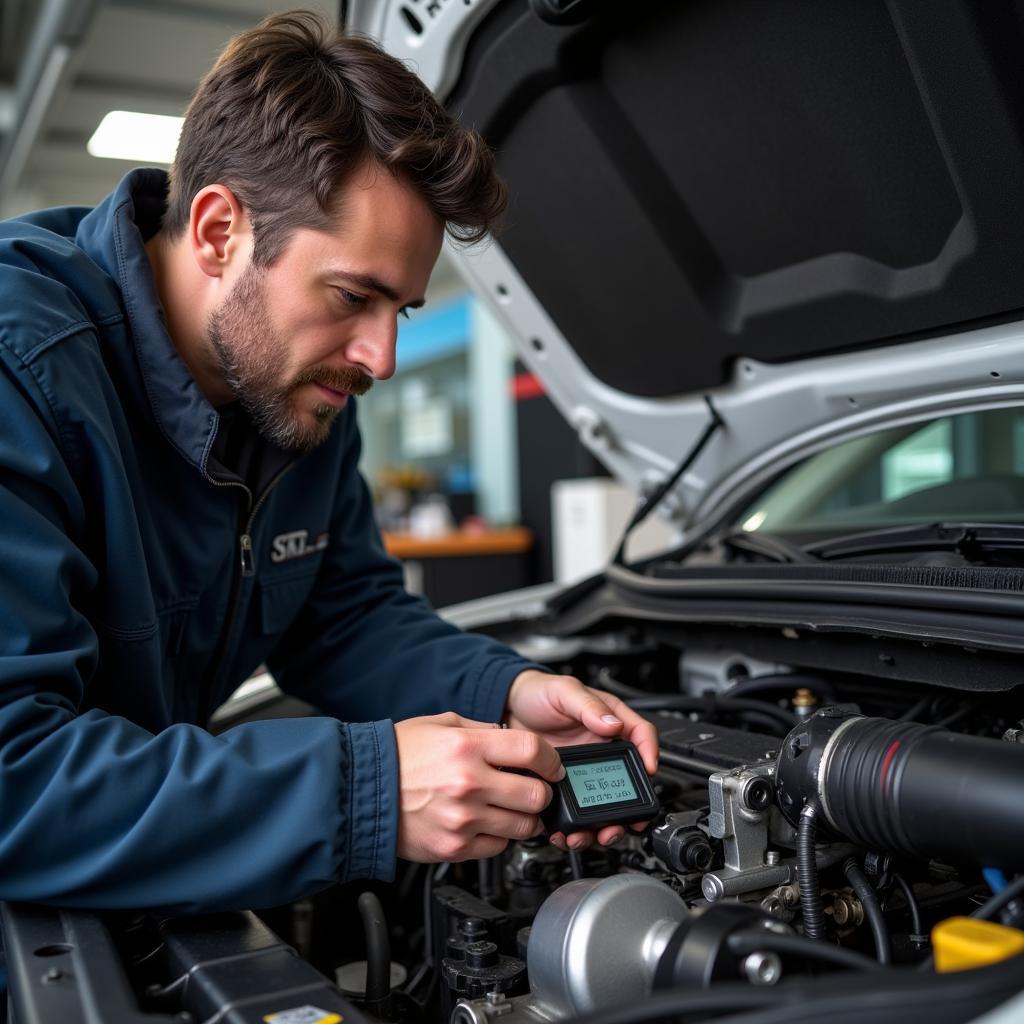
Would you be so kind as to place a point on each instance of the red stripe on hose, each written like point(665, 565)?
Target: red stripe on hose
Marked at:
point(887, 762)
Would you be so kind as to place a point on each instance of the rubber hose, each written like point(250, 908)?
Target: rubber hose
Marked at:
point(378, 948)
point(807, 874)
point(872, 909)
point(905, 887)
point(745, 943)
point(781, 681)
point(989, 911)
point(674, 702)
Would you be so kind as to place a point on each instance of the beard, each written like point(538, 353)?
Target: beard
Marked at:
point(250, 355)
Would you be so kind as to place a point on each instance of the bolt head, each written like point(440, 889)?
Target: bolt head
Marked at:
point(762, 968)
point(712, 888)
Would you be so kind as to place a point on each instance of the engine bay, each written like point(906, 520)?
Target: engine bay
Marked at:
point(815, 826)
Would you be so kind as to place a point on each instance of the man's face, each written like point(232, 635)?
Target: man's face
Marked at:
point(294, 340)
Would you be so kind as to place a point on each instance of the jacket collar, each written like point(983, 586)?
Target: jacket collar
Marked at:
point(113, 234)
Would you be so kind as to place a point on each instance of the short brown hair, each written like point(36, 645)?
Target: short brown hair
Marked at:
point(293, 106)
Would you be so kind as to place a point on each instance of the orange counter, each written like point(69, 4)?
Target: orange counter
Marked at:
point(511, 540)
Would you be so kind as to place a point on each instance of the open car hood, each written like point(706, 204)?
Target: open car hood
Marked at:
point(810, 214)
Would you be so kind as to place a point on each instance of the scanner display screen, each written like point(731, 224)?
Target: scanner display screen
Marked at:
point(601, 782)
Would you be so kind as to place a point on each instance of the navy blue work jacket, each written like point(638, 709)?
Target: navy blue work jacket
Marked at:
point(126, 615)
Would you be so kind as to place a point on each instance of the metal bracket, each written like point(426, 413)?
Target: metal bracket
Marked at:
point(741, 802)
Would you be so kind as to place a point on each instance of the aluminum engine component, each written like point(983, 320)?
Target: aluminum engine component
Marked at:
point(596, 943)
point(740, 807)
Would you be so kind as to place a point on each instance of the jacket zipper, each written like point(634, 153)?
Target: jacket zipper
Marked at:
point(245, 566)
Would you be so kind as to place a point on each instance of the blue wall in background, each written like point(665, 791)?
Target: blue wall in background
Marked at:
point(431, 334)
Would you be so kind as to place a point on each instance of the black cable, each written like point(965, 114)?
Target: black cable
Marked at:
point(575, 864)
point(744, 943)
point(807, 873)
point(680, 702)
point(893, 996)
point(434, 875)
point(761, 722)
point(872, 909)
point(781, 681)
point(910, 715)
point(483, 879)
point(956, 716)
point(989, 910)
point(918, 935)
point(378, 949)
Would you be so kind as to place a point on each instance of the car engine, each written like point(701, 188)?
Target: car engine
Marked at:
point(815, 827)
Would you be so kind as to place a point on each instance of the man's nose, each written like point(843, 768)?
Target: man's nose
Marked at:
point(373, 348)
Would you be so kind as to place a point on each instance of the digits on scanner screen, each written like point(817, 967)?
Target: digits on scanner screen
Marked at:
point(602, 782)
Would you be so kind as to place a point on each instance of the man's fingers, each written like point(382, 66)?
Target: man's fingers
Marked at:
point(496, 821)
point(518, 792)
point(605, 836)
point(518, 748)
point(606, 715)
point(582, 704)
point(643, 734)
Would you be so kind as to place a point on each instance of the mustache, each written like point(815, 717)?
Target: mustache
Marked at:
point(347, 380)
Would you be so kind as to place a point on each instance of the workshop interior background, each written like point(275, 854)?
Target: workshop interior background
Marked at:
point(462, 446)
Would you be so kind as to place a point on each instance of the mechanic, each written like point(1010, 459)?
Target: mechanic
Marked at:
point(180, 503)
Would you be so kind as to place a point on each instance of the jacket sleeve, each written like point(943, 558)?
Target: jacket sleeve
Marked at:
point(95, 811)
point(364, 648)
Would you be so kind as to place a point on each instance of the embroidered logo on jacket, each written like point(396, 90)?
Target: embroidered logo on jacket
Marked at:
point(286, 546)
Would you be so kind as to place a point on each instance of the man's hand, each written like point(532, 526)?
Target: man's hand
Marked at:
point(454, 803)
point(564, 712)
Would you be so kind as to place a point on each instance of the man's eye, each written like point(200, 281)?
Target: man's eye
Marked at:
point(404, 311)
point(351, 298)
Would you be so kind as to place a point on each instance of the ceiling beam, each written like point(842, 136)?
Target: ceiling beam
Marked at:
point(90, 82)
point(188, 9)
point(58, 32)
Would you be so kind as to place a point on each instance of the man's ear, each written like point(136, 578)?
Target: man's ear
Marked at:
point(219, 230)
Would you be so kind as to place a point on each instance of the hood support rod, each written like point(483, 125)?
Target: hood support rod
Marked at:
point(654, 499)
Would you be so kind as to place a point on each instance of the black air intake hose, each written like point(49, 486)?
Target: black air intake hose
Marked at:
point(906, 788)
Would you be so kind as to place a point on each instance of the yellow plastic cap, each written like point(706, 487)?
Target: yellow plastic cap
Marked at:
point(963, 943)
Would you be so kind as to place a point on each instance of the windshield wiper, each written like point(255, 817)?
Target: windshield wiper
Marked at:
point(970, 540)
point(766, 545)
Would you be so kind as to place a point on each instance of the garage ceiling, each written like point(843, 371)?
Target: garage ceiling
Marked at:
point(99, 55)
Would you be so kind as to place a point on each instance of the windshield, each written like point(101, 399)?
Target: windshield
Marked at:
point(966, 468)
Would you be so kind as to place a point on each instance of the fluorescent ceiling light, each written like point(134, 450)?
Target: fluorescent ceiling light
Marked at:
point(145, 138)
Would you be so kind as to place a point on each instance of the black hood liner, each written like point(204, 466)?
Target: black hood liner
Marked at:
point(699, 180)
